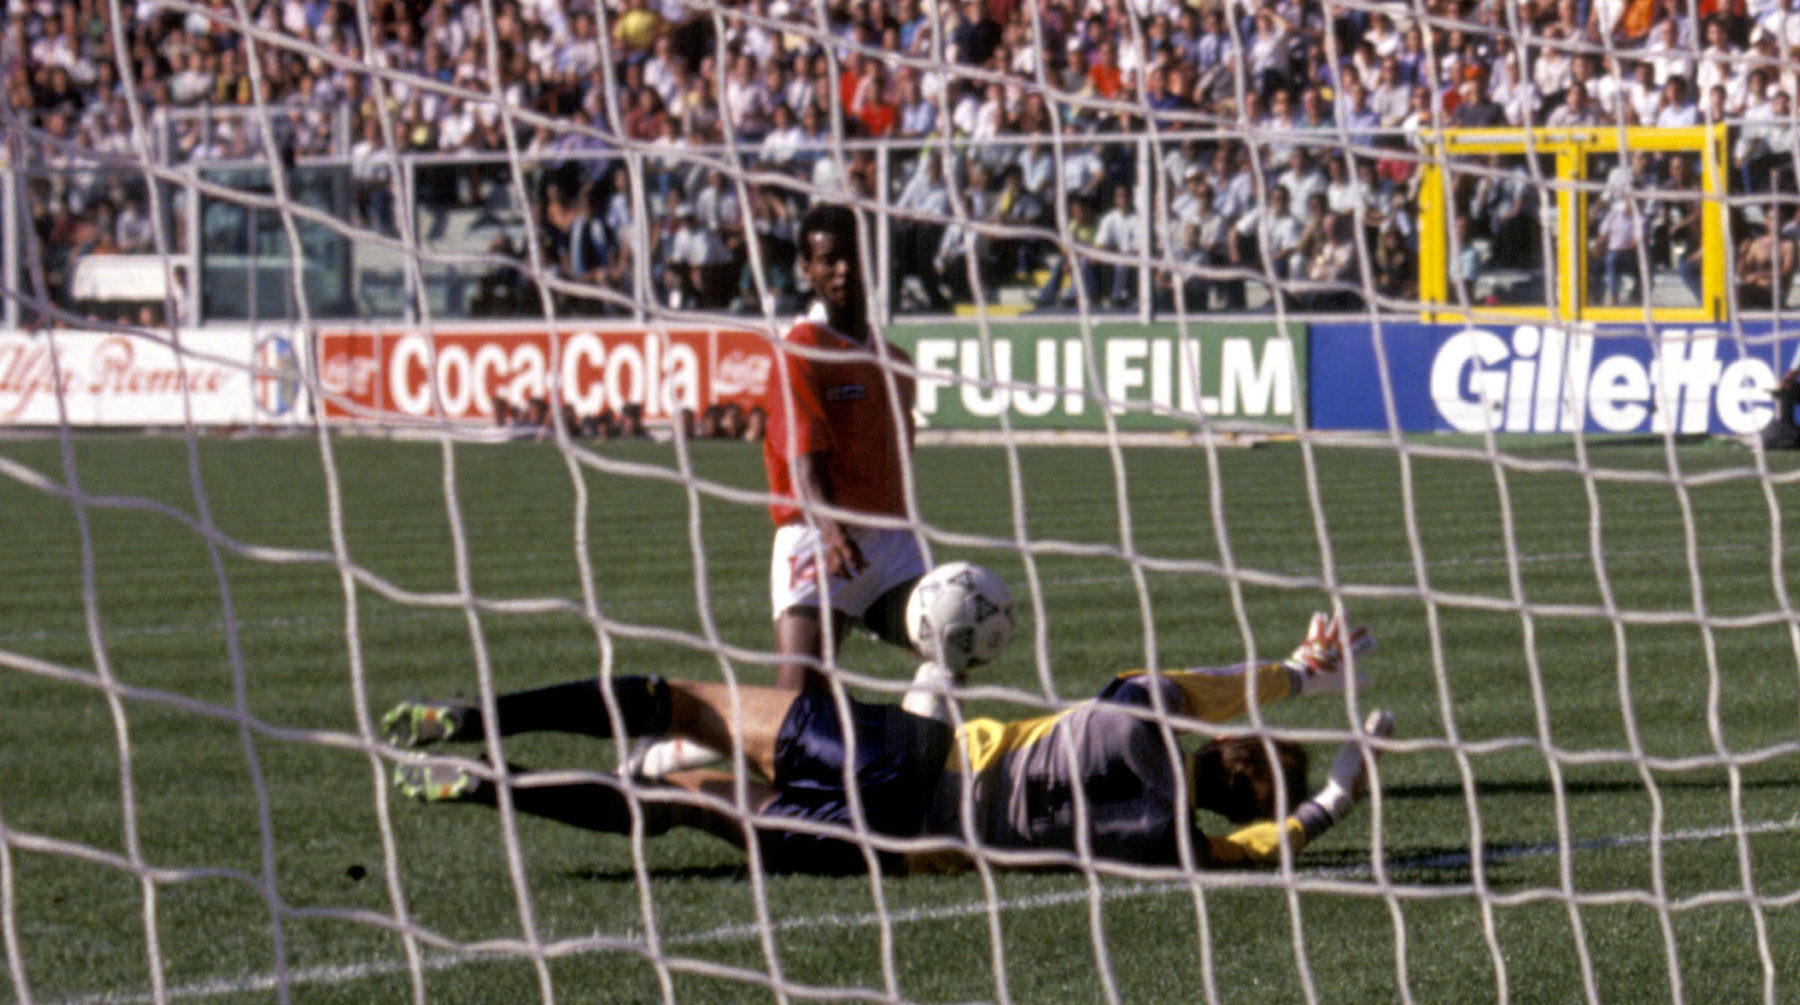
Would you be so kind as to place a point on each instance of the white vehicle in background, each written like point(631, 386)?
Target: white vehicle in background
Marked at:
point(129, 289)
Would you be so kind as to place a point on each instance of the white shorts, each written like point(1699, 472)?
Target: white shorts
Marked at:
point(893, 558)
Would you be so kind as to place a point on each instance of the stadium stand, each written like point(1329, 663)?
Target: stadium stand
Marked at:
point(1014, 77)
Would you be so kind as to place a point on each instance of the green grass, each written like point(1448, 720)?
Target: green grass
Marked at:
point(258, 843)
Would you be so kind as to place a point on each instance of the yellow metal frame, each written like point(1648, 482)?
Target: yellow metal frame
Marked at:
point(1571, 148)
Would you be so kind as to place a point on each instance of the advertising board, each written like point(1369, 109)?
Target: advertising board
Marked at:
point(1043, 376)
point(237, 376)
point(1152, 377)
point(1537, 378)
point(385, 375)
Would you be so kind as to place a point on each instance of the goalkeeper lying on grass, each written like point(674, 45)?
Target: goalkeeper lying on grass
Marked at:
point(910, 770)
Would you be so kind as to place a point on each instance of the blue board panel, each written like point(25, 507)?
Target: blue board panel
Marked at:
point(1547, 379)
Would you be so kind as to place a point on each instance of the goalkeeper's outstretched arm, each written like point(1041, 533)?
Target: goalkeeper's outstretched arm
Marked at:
point(1261, 843)
point(1326, 658)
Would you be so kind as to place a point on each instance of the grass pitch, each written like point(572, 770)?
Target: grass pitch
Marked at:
point(1591, 654)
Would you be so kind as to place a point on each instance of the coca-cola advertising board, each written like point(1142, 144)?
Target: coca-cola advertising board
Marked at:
point(387, 375)
point(212, 377)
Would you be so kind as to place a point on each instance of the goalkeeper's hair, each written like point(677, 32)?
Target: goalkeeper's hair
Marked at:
point(828, 218)
point(1235, 777)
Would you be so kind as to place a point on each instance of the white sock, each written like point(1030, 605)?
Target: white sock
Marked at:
point(656, 756)
point(929, 695)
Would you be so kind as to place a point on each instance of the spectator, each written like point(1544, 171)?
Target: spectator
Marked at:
point(598, 256)
point(1268, 47)
point(133, 231)
point(1474, 108)
point(1234, 185)
point(1667, 54)
point(749, 106)
point(1553, 67)
point(1343, 194)
point(1576, 111)
point(1185, 206)
point(974, 40)
point(371, 179)
point(1766, 265)
point(1358, 120)
point(1333, 265)
point(716, 209)
point(918, 231)
point(1767, 147)
point(782, 145)
point(1215, 243)
point(870, 104)
point(1383, 36)
point(1302, 177)
point(963, 249)
point(1615, 244)
point(1119, 232)
point(1515, 93)
point(646, 117)
point(1278, 127)
point(1037, 172)
point(775, 221)
point(1720, 62)
point(1643, 97)
point(1393, 95)
point(701, 254)
point(1676, 110)
point(1396, 277)
point(1749, 95)
point(1190, 260)
point(1265, 237)
point(917, 113)
point(1073, 264)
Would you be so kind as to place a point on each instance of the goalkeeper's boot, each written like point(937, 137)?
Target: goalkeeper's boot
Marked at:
point(423, 723)
point(437, 780)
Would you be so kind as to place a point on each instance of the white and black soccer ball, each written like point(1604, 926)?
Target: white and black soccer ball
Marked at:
point(960, 615)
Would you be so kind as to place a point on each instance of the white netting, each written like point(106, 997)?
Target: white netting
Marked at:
point(344, 211)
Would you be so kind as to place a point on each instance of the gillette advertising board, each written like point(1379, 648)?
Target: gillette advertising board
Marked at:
point(1544, 378)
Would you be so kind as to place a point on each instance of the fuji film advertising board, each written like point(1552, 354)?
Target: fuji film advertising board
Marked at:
point(213, 376)
point(379, 375)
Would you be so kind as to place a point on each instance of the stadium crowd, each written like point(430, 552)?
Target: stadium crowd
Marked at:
point(1038, 98)
point(535, 419)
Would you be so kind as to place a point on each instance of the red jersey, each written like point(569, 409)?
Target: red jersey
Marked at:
point(840, 407)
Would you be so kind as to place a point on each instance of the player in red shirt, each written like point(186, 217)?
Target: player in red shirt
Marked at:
point(838, 441)
point(839, 436)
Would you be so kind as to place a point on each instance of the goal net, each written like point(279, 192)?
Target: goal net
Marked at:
point(1468, 320)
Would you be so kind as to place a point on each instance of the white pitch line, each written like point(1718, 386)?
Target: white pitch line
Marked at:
point(350, 973)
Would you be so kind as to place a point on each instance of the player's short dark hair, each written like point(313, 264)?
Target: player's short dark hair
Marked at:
point(827, 218)
point(1234, 777)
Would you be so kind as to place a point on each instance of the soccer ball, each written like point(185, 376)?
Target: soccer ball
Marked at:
point(961, 616)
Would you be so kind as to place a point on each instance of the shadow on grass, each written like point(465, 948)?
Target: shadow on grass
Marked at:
point(1445, 865)
point(624, 873)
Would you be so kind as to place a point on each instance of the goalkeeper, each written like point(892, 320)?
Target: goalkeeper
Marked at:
point(915, 775)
